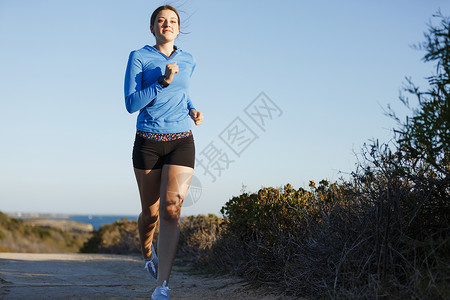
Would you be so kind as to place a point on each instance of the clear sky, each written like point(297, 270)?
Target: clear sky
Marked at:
point(326, 70)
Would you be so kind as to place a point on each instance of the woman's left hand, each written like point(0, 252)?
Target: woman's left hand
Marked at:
point(197, 116)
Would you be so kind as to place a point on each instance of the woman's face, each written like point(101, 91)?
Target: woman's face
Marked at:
point(166, 27)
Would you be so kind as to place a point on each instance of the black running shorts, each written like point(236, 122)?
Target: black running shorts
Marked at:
point(149, 154)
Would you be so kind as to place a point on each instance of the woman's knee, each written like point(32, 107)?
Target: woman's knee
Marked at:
point(172, 209)
point(148, 218)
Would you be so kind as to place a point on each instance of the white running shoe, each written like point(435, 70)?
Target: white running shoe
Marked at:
point(151, 264)
point(161, 292)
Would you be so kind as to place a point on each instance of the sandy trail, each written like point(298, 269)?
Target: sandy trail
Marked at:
point(100, 276)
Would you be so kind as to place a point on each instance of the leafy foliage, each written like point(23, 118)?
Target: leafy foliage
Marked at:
point(273, 211)
point(425, 137)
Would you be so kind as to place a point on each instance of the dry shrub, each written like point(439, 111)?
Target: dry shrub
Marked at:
point(270, 237)
point(385, 233)
point(363, 239)
point(197, 235)
point(120, 237)
point(408, 209)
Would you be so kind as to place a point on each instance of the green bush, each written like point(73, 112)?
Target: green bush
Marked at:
point(273, 211)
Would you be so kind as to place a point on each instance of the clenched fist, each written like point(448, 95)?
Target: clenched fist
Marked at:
point(197, 116)
point(171, 70)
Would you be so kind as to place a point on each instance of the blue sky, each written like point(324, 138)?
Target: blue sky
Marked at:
point(330, 67)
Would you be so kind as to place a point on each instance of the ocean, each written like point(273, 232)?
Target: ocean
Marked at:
point(96, 220)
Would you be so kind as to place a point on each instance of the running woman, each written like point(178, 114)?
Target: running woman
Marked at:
point(156, 85)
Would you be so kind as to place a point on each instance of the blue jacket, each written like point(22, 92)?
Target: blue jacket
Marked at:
point(161, 110)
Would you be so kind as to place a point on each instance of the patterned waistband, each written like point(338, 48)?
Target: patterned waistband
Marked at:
point(163, 137)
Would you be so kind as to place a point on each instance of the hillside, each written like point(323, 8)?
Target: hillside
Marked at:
point(42, 236)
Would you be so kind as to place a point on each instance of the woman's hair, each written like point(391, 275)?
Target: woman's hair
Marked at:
point(163, 7)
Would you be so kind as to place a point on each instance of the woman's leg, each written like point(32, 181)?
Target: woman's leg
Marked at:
point(149, 182)
point(175, 181)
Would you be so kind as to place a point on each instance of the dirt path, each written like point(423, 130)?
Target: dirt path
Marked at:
point(99, 276)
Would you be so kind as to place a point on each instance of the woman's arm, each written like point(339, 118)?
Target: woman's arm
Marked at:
point(135, 97)
point(189, 104)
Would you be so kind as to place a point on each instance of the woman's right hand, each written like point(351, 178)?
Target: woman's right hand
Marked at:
point(171, 70)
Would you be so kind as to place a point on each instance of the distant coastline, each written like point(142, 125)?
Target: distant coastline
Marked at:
point(95, 220)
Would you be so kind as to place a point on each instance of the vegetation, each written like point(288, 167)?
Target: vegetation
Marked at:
point(197, 234)
point(121, 237)
point(17, 236)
